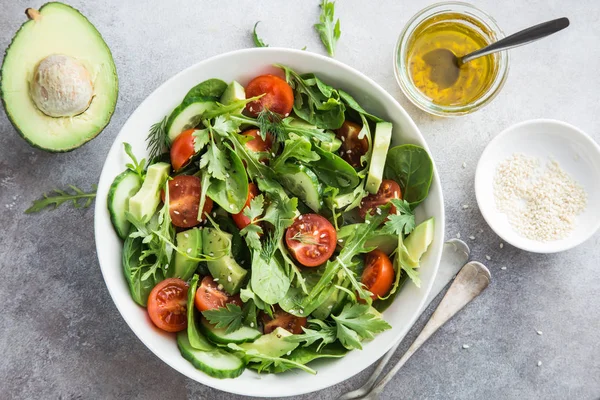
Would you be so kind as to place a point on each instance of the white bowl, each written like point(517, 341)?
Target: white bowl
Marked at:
point(545, 139)
point(242, 66)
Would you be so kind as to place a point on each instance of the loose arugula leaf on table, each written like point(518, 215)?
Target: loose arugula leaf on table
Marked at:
point(328, 30)
point(79, 198)
point(258, 42)
point(229, 317)
point(403, 222)
point(158, 139)
point(138, 167)
point(410, 166)
point(358, 322)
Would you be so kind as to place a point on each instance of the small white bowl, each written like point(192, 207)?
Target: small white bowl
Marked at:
point(546, 139)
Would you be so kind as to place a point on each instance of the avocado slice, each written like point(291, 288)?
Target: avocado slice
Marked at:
point(419, 239)
point(58, 81)
point(272, 344)
point(228, 272)
point(189, 242)
point(144, 203)
point(234, 92)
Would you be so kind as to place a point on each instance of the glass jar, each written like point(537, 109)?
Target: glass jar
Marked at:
point(472, 19)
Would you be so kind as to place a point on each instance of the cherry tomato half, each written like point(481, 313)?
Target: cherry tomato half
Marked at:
point(282, 319)
point(278, 96)
point(167, 304)
point(388, 190)
point(258, 144)
point(378, 275)
point(311, 239)
point(352, 148)
point(182, 149)
point(184, 200)
point(240, 219)
point(209, 296)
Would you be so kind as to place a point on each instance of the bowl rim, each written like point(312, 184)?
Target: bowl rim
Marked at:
point(387, 98)
point(512, 239)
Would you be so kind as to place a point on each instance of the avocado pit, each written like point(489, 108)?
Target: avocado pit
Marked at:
point(61, 86)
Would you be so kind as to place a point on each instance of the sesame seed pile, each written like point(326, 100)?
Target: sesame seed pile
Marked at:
point(541, 201)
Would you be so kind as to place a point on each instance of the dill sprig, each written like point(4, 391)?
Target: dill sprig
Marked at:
point(158, 139)
point(271, 122)
point(61, 196)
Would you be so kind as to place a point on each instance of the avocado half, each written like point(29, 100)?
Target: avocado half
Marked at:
point(58, 82)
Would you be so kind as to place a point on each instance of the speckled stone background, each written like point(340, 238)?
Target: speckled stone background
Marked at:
point(62, 337)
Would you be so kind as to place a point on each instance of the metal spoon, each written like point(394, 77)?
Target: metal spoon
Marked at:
point(446, 65)
point(472, 279)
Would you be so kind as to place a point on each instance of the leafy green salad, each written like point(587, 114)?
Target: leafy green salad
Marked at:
point(272, 223)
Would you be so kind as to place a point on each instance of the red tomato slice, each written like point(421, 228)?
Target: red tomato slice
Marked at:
point(311, 239)
point(184, 200)
point(388, 190)
point(352, 148)
point(167, 305)
point(182, 149)
point(282, 319)
point(209, 296)
point(378, 275)
point(258, 144)
point(278, 96)
point(240, 219)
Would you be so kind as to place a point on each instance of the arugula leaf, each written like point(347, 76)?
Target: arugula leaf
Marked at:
point(233, 107)
point(265, 362)
point(293, 125)
point(297, 147)
point(135, 166)
point(258, 42)
point(324, 333)
point(355, 244)
point(353, 104)
point(158, 139)
point(358, 322)
point(328, 31)
point(62, 196)
point(229, 317)
point(403, 222)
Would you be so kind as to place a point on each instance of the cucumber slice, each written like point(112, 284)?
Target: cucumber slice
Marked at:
point(303, 183)
point(217, 363)
point(125, 185)
point(144, 203)
point(218, 335)
point(381, 145)
point(188, 115)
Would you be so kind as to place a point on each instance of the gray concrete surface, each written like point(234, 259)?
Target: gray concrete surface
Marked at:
point(62, 337)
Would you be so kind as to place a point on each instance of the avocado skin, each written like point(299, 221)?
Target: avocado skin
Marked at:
point(10, 117)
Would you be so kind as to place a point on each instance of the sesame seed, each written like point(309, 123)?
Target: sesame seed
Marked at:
point(501, 245)
point(301, 311)
point(367, 222)
point(288, 353)
point(228, 278)
point(189, 251)
point(186, 235)
point(300, 218)
point(175, 212)
point(330, 306)
point(539, 363)
point(341, 240)
point(349, 152)
point(214, 214)
point(231, 206)
point(343, 139)
point(464, 164)
point(488, 257)
point(211, 254)
point(472, 237)
point(315, 233)
point(322, 235)
point(465, 346)
point(503, 268)
point(465, 206)
point(301, 226)
point(251, 324)
point(539, 333)
point(216, 279)
point(166, 266)
point(220, 287)
point(458, 235)
point(378, 210)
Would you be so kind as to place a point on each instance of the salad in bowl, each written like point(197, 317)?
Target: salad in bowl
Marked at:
point(270, 224)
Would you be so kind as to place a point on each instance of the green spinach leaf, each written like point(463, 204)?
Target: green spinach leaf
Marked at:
point(412, 168)
point(269, 280)
point(197, 340)
point(230, 193)
point(133, 271)
point(208, 88)
point(335, 171)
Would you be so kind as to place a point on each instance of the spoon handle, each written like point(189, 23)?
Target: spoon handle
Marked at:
point(520, 38)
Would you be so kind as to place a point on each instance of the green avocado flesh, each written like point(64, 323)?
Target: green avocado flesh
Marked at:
point(58, 29)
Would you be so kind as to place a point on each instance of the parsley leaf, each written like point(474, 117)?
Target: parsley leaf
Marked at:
point(358, 322)
point(328, 31)
point(201, 139)
point(215, 161)
point(264, 361)
point(255, 209)
point(252, 234)
point(403, 222)
point(62, 196)
point(229, 317)
point(258, 42)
